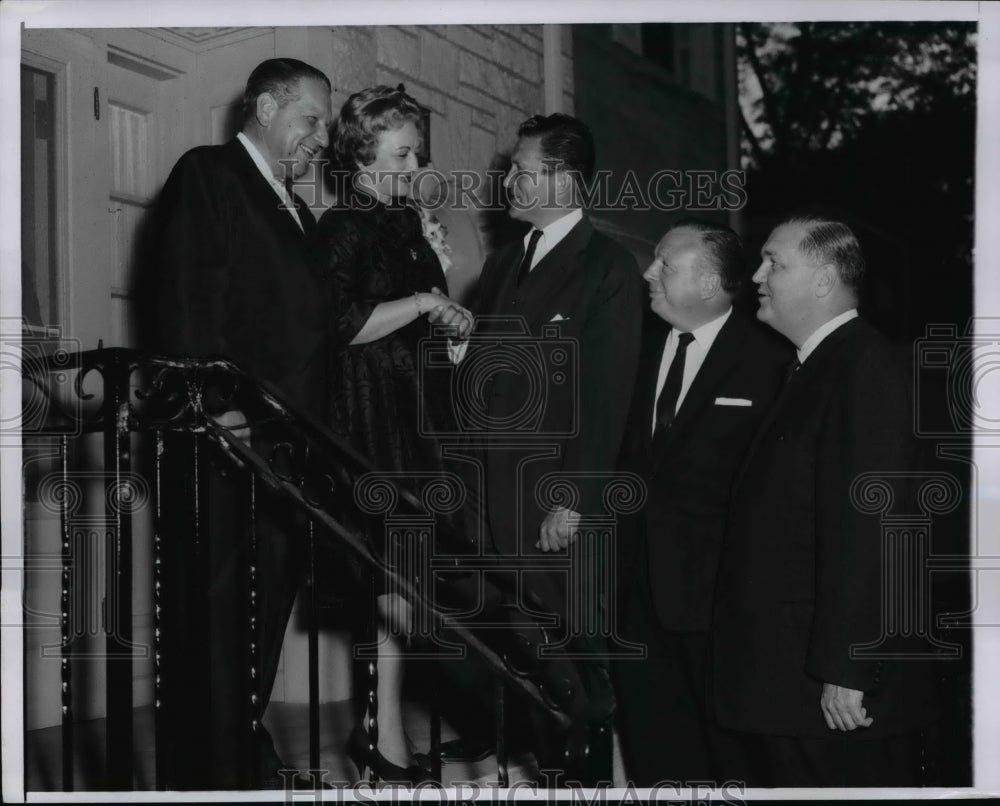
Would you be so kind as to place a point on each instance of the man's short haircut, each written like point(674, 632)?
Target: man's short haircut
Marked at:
point(280, 78)
point(565, 140)
point(363, 117)
point(828, 240)
point(723, 251)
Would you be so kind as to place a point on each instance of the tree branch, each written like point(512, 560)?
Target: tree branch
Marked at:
point(767, 95)
point(758, 152)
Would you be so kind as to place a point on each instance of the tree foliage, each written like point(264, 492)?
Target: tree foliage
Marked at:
point(876, 119)
point(814, 86)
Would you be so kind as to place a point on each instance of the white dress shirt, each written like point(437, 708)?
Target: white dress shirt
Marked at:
point(704, 337)
point(268, 174)
point(820, 333)
point(552, 234)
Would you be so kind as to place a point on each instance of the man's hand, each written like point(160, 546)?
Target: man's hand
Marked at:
point(558, 530)
point(236, 423)
point(842, 708)
point(451, 314)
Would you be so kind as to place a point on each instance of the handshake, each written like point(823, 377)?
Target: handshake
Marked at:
point(442, 310)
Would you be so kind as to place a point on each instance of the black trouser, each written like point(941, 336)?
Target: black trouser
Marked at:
point(211, 704)
point(665, 725)
point(843, 760)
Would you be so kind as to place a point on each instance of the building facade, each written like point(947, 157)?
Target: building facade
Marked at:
point(107, 112)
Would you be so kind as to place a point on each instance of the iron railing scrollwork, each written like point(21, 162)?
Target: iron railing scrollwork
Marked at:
point(120, 393)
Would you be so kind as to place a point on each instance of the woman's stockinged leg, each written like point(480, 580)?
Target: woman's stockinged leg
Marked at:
point(395, 625)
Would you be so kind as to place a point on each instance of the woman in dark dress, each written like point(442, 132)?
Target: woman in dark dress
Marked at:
point(387, 292)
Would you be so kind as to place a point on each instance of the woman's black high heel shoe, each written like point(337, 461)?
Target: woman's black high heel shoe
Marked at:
point(366, 757)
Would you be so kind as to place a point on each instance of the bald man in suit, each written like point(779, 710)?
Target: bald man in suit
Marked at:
point(239, 276)
point(706, 376)
point(802, 570)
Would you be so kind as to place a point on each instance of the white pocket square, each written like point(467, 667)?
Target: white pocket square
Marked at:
point(559, 318)
point(733, 401)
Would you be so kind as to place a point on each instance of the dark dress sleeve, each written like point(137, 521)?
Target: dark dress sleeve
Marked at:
point(348, 258)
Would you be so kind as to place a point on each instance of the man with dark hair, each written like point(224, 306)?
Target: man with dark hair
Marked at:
point(565, 142)
point(280, 78)
point(563, 272)
point(800, 591)
point(239, 276)
point(572, 288)
point(706, 377)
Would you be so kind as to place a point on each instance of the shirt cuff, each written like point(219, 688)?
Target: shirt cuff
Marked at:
point(457, 350)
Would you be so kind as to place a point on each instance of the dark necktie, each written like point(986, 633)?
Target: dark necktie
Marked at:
point(667, 401)
point(529, 253)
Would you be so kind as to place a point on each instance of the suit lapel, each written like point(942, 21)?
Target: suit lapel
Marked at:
point(724, 352)
point(305, 215)
point(262, 194)
point(814, 366)
point(506, 277)
point(544, 281)
point(575, 241)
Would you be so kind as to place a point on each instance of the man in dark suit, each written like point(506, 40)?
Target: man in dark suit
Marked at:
point(706, 377)
point(802, 570)
point(567, 279)
point(554, 358)
point(239, 276)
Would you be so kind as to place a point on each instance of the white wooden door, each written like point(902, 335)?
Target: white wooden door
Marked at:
point(118, 92)
point(110, 125)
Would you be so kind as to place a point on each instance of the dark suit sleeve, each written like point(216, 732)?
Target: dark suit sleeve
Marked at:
point(608, 359)
point(195, 258)
point(347, 261)
point(477, 297)
point(869, 431)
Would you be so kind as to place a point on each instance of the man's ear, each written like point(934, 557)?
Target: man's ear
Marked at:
point(265, 108)
point(826, 279)
point(710, 284)
point(564, 184)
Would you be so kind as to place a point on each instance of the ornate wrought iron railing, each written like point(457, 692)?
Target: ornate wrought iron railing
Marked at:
point(118, 393)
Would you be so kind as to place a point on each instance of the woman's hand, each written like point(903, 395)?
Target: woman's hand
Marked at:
point(441, 310)
point(387, 317)
point(430, 301)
